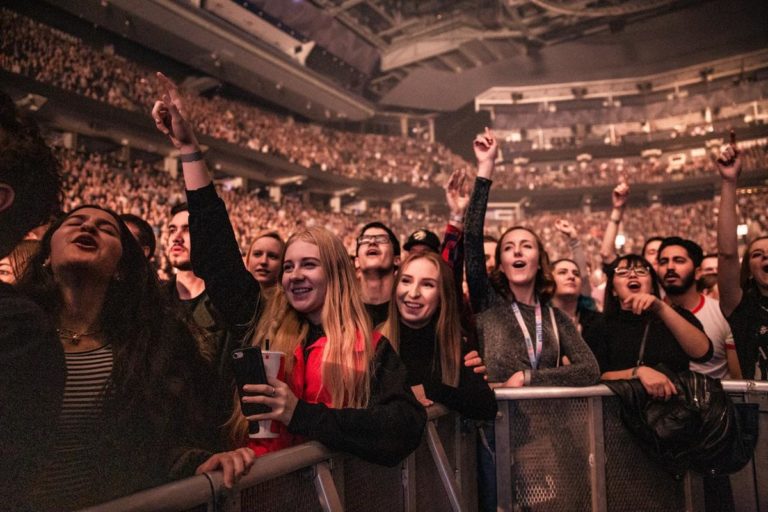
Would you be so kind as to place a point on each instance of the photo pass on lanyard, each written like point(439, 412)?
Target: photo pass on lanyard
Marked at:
point(534, 353)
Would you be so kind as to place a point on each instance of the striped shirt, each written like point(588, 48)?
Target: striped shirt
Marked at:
point(71, 472)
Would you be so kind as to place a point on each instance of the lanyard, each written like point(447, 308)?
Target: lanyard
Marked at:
point(534, 353)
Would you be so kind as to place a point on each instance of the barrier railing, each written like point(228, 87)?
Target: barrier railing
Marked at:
point(556, 449)
point(438, 476)
point(566, 449)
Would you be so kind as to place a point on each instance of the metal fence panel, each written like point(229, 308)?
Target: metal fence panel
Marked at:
point(549, 440)
point(294, 491)
point(633, 481)
point(371, 487)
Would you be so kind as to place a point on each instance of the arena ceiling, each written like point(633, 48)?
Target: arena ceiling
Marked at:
point(429, 55)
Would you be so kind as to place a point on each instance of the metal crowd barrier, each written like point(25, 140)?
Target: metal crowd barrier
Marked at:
point(556, 449)
point(439, 476)
point(565, 449)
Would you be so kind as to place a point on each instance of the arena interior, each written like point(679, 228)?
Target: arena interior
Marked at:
point(595, 124)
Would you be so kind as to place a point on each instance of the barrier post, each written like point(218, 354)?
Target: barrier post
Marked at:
point(409, 480)
point(443, 466)
point(326, 488)
point(503, 458)
point(597, 454)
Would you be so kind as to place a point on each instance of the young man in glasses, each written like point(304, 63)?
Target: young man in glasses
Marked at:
point(378, 255)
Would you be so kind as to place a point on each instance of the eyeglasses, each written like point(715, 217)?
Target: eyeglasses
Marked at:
point(373, 239)
point(625, 271)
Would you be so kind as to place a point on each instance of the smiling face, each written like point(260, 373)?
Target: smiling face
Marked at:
point(375, 252)
point(264, 260)
point(567, 279)
point(304, 280)
point(178, 246)
point(519, 257)
point(418, 292)
point(88, 239)
point(631, 279)
point(758, 263)
point(676, 269)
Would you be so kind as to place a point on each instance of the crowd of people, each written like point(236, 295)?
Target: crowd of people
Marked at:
point(140, 189)
point(142, 370)
point(54, 57)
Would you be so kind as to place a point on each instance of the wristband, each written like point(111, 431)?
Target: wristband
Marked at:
point(191, 157)
point(634, 372)
point(458, 219)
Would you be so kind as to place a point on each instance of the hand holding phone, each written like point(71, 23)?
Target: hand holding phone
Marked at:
point(249, 369)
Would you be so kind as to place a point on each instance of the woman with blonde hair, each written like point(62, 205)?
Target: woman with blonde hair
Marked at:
point(424, 327)
point(345, 385)
point(264, 257)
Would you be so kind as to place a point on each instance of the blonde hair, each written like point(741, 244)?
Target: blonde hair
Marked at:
point(448, 328)
point(345, 368)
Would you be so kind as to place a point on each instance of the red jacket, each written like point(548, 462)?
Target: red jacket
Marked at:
point(306, 383)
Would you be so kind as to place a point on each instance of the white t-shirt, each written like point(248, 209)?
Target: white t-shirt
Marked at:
point(719, 332)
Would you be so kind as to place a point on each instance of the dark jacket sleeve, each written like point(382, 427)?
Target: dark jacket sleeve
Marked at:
point(477, 279)
point(583, 370)
point(216, 258)
point(472, 399)
point(385, 432)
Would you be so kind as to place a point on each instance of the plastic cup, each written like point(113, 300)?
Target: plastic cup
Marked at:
point(274, 365)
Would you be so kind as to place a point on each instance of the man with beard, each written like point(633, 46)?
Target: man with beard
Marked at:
point(679, 264)
point(378, 254)
point(187, 292)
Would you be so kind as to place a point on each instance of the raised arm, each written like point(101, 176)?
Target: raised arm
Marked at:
point(215, 253)
point(568, 230)
point(619, 198)
point(477, 279)
point(452, 250)
point(728, 162)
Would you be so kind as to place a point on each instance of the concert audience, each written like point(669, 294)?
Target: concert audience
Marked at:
point(48, 55)
point(344, 385)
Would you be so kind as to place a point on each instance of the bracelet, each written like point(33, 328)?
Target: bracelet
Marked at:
point(191, 157)
point(458, 219)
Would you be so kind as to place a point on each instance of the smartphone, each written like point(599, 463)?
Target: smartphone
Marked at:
point(249, 369)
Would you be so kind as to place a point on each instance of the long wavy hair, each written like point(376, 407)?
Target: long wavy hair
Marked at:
point(544, 284)
point(345, 370)
point(448, 326)
point(155, 357)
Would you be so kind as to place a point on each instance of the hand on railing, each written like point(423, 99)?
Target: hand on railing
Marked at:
point(233, 465)
point(656, 383)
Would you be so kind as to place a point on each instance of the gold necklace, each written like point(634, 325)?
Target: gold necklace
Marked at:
point(74, 337)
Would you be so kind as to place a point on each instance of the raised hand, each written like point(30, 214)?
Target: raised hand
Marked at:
point(457, 192)
point(168, 113)
point(728, 160)
point(620, 195)
point(566, 228)
point(486, 147)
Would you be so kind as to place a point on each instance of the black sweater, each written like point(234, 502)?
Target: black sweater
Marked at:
point(472, 398)
point(385, 432)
